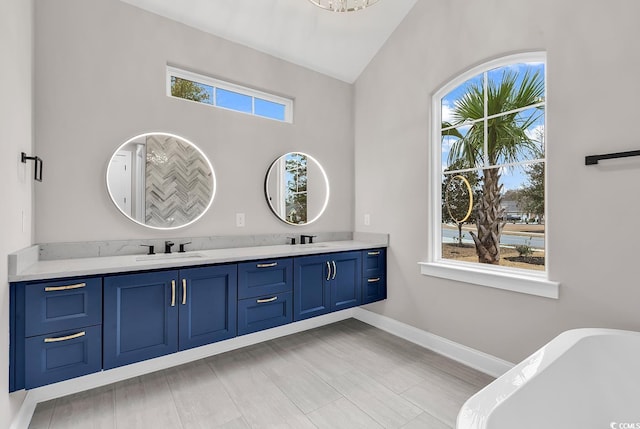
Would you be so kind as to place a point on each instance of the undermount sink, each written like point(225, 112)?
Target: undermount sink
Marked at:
point(314, 245)
point(168, 257)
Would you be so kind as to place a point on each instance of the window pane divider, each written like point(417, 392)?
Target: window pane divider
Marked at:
point(509, 164)
point(495, 115)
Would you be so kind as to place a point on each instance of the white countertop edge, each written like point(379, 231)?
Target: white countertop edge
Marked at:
point(44, 270)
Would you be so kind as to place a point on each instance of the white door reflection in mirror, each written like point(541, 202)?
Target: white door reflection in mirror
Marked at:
point(161, 181)
point(297, 188)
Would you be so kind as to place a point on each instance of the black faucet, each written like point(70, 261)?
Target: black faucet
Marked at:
point(303, 238)
point(151, 252)
point(167, 246)
point(181, 250)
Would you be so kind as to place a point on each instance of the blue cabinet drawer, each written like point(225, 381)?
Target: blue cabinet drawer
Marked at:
point(374, 289)
point(267, 277)
point(62, 305)
point(63, 355)
point(374, 262)
point(256, 314)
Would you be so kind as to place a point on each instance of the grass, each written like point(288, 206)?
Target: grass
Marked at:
point(509, 257)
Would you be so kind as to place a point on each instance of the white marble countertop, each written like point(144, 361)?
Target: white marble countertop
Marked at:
point(50, 269)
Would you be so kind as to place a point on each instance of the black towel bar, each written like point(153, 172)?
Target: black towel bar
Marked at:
point(593, 159)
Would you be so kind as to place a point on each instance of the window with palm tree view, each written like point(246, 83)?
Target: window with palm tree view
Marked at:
point(492, 144)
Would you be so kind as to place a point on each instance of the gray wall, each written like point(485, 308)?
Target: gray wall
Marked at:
point(593, 92)
point(100, 80)
point(16, 183)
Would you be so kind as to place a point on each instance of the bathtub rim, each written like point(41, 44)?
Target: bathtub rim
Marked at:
point(475, 412)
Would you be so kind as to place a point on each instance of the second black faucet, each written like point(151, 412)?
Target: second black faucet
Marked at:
point(303, 238)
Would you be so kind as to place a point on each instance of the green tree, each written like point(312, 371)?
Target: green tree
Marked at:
point(531, 197)
point(455, 196)
point(507, 142)
point(296, 196)
point(189, 90)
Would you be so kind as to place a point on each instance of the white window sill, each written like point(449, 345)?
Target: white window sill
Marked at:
point(513, 280)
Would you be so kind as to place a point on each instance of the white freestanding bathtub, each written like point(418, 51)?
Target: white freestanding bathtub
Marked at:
point(583, 378)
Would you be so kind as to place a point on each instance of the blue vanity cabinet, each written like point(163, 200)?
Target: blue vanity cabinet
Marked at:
point(148, 315)
point(265, 294)
point(56, 331)
point(326, 283)
point(207, 307)
point(140, 317)
point(65, 328)
point(374, 275)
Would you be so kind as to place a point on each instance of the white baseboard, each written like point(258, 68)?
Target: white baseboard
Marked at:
point(91, 381)
point(476, 359)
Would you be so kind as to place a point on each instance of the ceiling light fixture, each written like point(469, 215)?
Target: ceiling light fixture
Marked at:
point(343, 5)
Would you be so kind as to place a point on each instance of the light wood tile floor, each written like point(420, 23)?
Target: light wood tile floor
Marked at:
point(345, 375)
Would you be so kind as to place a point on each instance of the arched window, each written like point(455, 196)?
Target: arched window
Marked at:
point(488, 169)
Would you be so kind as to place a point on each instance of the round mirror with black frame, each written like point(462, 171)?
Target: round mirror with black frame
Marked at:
point(161, 181)
point(296, 188)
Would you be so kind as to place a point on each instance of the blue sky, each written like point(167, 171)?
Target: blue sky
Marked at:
point(243, 103)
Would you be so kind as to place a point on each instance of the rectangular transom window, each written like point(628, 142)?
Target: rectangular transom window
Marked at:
point(225, 95)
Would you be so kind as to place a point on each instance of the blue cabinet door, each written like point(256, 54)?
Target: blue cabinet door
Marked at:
point(207, 309)
point(311, 286)
point(140, 317)
point(346, 280)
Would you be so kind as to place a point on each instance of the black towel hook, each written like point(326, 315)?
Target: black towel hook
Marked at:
point(37, 170)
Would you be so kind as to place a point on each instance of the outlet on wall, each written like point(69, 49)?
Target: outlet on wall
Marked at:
point(367, 219)
point(240, 220)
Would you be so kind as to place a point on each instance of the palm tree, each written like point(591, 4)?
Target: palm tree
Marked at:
point(507, 142)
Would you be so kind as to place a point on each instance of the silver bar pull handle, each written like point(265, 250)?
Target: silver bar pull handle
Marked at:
point(273, 264)
point(377, 279)
point(335, 270)
point(328, 271)
point(262, 301)
point(67, 287)
point(373, 253)
point(184, 291)
point(68, 337)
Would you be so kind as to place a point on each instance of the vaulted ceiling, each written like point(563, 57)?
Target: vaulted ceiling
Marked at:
point(336, 44)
